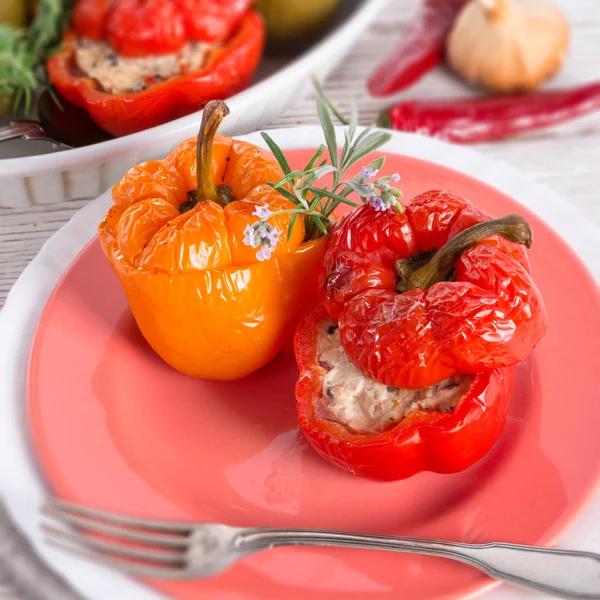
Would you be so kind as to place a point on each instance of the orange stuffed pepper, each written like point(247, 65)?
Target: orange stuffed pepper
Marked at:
point(189, 236)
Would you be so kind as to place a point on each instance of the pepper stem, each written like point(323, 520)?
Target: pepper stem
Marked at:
point(425, 269)
point(214, 113)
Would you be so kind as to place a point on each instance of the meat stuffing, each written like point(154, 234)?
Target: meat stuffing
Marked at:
point(117, 74)
point(367, 406)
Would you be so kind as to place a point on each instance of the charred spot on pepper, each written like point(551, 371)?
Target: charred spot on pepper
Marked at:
point(332, 329)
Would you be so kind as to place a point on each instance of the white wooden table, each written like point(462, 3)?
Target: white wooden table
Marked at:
point(567, 157)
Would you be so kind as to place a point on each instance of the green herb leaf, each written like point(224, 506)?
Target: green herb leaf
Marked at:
point(368, 144)
point(315, 203)
point(289, 177)
point(316, 174)
point(347, 143)
point(376, 164)
point(332, 196)
point(362, 190)
point(317, 221)
point(23, 54)
point(284, 192)
point(328, 132)
point(353, 120)
point(315, 158)
point(325, 100)
point(291, 227)
point(277, 153)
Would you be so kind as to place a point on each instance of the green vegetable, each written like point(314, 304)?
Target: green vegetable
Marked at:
point(4, 105)
point(13, 12)
point(23, 53)
point(289, 20)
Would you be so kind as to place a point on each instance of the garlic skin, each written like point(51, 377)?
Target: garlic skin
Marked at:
point(508, 46)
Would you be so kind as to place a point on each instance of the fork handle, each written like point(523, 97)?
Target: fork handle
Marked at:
point(563, 573)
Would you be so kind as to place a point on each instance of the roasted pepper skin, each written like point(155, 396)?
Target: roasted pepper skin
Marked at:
point(229, 69)
point(491, 315)
point(200, 297)
point(424, 441)
point(137, 28)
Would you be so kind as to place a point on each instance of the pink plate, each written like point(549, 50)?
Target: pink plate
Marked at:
point(116, 428)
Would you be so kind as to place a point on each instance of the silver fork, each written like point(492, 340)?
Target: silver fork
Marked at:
point(178, 550)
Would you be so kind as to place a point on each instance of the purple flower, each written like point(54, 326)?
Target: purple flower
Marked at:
point(377, 203)
point(262, 212)
point(367, 173)
point(250, 236)
point(395, 177)
point(264, 253)
point(274, 235)
point(262, 235)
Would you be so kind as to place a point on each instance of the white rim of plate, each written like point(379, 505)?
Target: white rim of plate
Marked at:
point(22, 484)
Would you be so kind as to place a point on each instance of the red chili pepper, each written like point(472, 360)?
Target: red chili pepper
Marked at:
point(421, 49)
point(489, 118)
point(228, 69)
point(436, 291)
point(446, 442)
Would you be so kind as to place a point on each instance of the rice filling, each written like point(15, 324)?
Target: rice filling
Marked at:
point(118, 74)
point(365, 405)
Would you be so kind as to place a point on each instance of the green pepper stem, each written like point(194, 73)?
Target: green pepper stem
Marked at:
point(422, 271)
point(212, 116)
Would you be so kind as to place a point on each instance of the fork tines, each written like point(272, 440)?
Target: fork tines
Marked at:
point(148, 548)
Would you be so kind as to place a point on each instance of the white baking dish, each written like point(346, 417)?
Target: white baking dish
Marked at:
point(89, 171)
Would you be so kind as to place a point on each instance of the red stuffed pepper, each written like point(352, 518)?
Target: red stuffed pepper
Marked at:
point(134, 64)
point(407, 364)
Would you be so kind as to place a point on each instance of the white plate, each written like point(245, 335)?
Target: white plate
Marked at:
point(89, 171)
point(23, 486)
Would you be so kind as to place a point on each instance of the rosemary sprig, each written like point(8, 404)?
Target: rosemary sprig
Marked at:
point(23, 53)
point(317, 203)
point(301, 187)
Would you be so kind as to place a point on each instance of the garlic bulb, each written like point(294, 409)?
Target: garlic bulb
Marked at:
point(508, 45)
